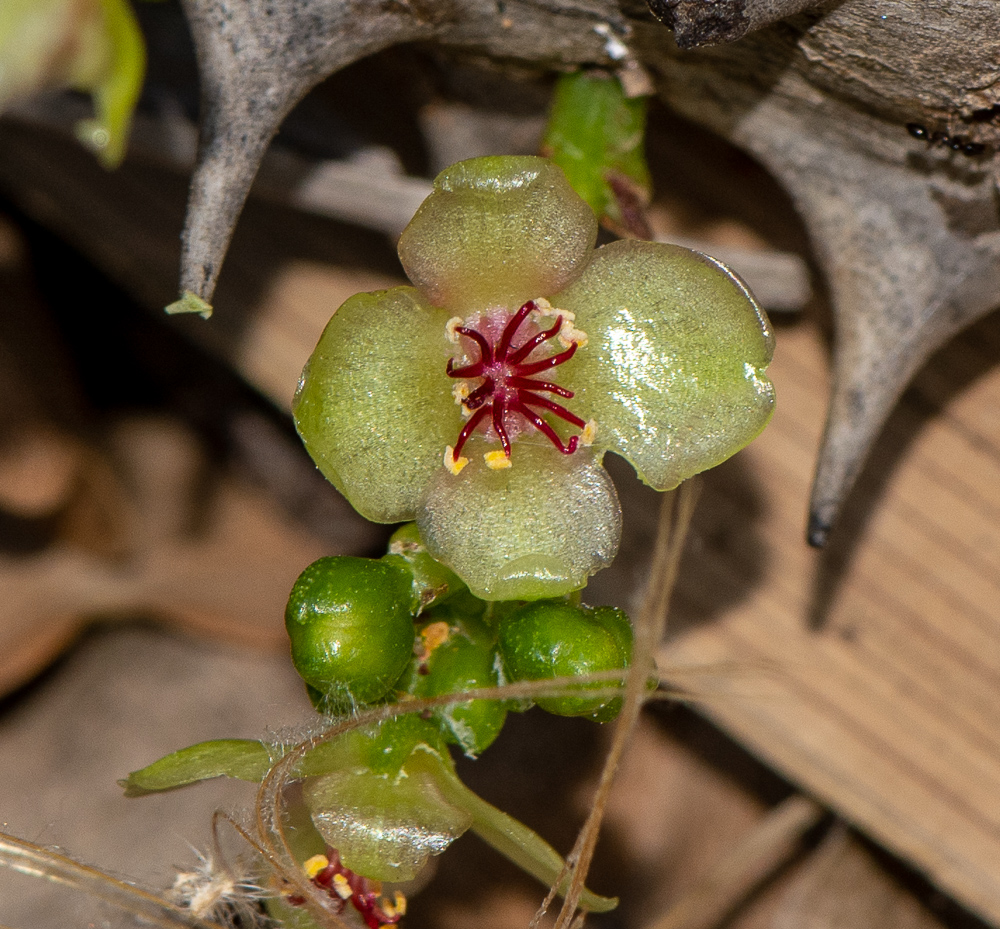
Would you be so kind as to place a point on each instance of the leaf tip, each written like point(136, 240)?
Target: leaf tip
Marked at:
point(189, 302)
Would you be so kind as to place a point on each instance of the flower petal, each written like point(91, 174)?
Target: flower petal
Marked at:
point(374, 405)
point(384, 828)
point(537, 529)
point(674, 369)
point(497, 232)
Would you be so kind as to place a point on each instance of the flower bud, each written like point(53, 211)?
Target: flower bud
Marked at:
point(351, 628)
point(432, 581)
point(89, 45)
point(553, 638)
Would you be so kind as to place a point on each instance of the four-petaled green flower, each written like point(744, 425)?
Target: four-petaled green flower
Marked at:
point(481, 400)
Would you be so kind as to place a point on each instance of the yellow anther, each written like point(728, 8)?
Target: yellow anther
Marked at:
point(452, 463)
point(451, 328)
point(569, 335)
point(496, 461)
point(460, 392)
point(589, 433)
point(316, 864)
point(395, 909)
point(341, 887)
point(544, 308)
point(434, 635)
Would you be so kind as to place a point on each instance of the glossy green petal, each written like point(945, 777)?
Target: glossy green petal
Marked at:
point(384, 827)
point(497, 232)
point(374, 405)
point(537, 529)
point(674, 369)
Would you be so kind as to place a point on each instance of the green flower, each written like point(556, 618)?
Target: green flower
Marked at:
point(481, 400)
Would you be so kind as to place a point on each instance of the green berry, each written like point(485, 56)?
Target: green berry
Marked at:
point(453, 657)
point(351, 628)
point(553, 638)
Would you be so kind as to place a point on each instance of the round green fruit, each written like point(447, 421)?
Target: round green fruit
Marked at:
point(351, 628)
point(553, 638)
point(460, 657)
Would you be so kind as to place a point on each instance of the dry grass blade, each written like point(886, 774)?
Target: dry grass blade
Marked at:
point(36, 861)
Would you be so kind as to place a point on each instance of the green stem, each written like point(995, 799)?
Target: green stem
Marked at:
point(528, 850)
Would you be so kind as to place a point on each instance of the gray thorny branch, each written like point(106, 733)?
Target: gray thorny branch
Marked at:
point(905, 233)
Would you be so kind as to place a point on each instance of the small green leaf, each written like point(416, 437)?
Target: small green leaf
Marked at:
point(189, 303)
point(246, 759)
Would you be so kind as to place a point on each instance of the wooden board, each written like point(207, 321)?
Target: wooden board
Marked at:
point(869, 674)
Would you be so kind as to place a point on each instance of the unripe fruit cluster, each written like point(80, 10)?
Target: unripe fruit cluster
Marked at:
point(364, 631)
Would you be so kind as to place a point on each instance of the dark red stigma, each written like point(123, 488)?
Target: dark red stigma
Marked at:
point(509, 385)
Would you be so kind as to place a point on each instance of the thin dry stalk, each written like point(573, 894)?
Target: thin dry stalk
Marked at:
point(675, 518)
point(37, 861)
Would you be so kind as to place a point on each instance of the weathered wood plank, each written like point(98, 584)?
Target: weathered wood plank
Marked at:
point(887, 707)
